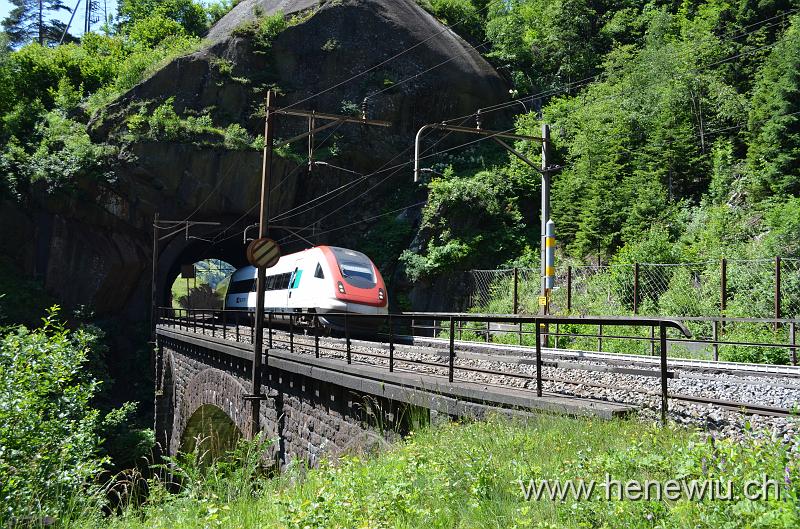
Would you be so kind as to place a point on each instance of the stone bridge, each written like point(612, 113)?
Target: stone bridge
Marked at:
point(310, 406)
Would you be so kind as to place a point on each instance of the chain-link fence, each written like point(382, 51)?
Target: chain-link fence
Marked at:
point(757, 288)
point(737, 310)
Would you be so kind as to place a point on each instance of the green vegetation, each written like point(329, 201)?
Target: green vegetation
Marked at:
point(673, 122)
point(48, 95)
point(467, 475)
point(51, 436)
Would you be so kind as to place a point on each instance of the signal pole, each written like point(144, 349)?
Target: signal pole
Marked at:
point(545, 206)
point(263, 228)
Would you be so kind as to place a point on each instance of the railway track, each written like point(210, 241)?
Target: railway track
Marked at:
point(510, 365)
point(723, 398)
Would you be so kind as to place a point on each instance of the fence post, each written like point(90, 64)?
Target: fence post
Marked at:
point(635, 289)
point(224, 326)
point(569, 290)
point(452, 350)
point(793, 341)
point(715, 338)
point(652, 341)
point(538, 358)
point(723, 285)
point(391, 345)
point(237, 326)
point(516, 289)
point(213, 324)
point(664, 406)
point(777, 291)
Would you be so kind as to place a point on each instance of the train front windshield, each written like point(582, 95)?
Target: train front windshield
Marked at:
point(356, 268)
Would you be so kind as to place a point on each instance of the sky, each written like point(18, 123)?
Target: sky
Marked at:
point(77, 24)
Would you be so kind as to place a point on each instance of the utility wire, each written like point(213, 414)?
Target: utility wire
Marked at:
point(445, 29)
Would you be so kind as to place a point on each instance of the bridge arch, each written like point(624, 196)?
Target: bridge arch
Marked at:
point(212, 405)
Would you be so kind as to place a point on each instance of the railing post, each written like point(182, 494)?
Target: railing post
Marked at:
point(452, 350)
point(488, 330)
point(391, 345)
point(347, 338)
point(664, 406)
point(569, 289)
point(600, 338)
point(555, 338)
point(237, 326)
point(224, 326)
point(652, 341)
point(291, 333)
point(793, 342)
point(520, 333)
point(715, 339)
point(194, 320)
point(635, 289)
point(538, 358)
point(316, 336)
point(213, 324)
point(516, 289)
point(269, 327)
point(777, 291)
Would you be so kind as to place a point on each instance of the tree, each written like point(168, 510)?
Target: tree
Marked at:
point(28, 20)
point(774, 124)
point(189, 14)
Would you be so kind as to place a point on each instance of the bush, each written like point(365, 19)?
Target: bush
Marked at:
point(237, 138)
point(466, 222)
point(164, 124)
point(48, 430)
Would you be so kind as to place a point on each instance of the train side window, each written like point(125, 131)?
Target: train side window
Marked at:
point(318, 272)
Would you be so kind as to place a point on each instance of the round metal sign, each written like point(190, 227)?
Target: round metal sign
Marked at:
point(263, 252)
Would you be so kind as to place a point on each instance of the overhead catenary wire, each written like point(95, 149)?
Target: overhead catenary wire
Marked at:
point(394, 170)
point(277, 186)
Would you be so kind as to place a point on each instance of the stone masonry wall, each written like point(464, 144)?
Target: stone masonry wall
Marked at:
point(306, 418)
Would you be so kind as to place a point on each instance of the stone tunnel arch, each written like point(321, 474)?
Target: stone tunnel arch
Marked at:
point(212, 399)
point(180, 251)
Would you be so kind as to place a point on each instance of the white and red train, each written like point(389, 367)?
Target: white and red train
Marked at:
point(322, 280)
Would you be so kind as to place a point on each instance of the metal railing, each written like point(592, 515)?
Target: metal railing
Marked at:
point(710, 333)
point(290, 330)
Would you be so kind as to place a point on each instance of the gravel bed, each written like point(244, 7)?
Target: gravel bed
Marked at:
point(774, 391)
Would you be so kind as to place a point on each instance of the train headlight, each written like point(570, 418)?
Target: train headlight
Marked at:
point(341, 287)
point(381, 294)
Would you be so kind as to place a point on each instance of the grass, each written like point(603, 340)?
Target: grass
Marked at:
point(467, 475)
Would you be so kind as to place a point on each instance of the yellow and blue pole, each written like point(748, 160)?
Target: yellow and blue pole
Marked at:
point(550, 260)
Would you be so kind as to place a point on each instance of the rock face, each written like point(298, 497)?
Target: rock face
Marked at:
point(411, 68)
